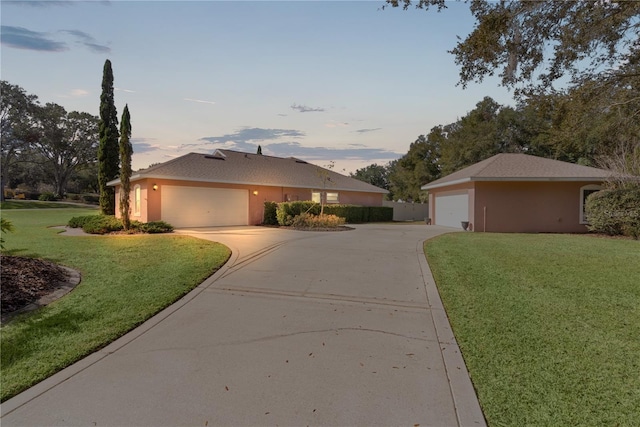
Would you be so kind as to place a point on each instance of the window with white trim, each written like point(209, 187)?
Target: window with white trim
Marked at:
point(584, 193)
point(328, 198)
point(136, 200)
point(332, 197)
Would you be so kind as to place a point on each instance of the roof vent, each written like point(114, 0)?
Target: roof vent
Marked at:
point(216, 155)
point(301, 161)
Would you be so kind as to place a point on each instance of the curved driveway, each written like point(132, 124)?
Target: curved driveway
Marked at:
point(299, 328)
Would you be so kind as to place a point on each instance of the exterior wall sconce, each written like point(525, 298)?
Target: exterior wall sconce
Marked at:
point(255, 192)
point(155, 187)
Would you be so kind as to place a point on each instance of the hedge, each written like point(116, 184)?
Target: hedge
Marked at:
point(353, 214)
point(270, 217)
point(615, 211)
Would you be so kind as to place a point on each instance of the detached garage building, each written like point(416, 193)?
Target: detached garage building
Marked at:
point(515, 193)
point(229, 188)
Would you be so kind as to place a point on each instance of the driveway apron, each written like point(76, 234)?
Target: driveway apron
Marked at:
point(299, 328)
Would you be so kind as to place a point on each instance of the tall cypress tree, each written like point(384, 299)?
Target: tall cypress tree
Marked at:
point(126, 150)
point(108, 151)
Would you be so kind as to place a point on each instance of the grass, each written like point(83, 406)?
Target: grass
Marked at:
point(125, 280)
point(32, 204)
point(549, 325)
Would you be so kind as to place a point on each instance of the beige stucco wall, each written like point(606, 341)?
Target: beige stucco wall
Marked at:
point(529, 207)
point(524, 207)
point(151, 199)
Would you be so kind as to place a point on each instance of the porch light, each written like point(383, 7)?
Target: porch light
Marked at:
point(155, 187)
point(255, 192)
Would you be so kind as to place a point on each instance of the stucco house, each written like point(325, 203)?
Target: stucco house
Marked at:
point(515, 193)
point(230, 187)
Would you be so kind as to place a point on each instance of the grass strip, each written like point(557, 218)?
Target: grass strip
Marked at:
point(549, 325)
point(126, 279)
point(32, 204)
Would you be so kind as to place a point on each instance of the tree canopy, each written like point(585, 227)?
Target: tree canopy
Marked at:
point(581, 40)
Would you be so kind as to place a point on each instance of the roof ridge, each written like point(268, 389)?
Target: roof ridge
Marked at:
point(489, 161)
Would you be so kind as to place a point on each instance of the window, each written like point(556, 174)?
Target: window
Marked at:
point(332, 197)
point(136, 200)
point(584, 193)
point(329, 197)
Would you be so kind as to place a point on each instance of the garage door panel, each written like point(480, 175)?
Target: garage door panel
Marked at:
point(204, 207)
point(452, 209)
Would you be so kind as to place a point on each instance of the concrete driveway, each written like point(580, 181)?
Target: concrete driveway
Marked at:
point(299, 328)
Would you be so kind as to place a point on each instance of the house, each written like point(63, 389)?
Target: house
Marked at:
point(515, 193)
point(229, 188)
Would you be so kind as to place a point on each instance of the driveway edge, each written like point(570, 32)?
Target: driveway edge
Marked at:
point(465, 400)
point(77, 367)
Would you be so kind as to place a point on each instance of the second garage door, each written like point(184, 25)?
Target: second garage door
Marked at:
point(204, 207)
point(452, 209)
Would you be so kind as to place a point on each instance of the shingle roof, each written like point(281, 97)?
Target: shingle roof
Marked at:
point(234, 167)
point(521, 167)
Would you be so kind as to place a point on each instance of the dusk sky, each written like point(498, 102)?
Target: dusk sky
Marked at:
point(322, 81)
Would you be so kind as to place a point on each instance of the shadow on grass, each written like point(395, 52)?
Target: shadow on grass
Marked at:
point(23, 253)
point(38, 323)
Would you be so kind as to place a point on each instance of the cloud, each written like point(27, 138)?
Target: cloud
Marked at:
point(88, 41)
point(124, 90)
point(36, 3)
point(199, 100)
point(247, 134)
point(75, 93)
point(294, 149)
point(334, 124)
point(282, 115)
point(305, 109)
point(141, 146)
point(21, 38)
point(367, 130)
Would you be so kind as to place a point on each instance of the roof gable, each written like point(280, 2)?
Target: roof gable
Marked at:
point(234, 167)
point(521, 167)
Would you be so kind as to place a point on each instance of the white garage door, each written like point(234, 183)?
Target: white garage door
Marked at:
point(204, 207)
point(451, 209)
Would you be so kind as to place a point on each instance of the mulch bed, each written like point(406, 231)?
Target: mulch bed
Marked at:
point(25, 280)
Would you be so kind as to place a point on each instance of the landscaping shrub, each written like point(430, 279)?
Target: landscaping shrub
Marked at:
point(353, 214)
point(286, 211)
point(380, 213)
point(154, 227)
point(307, 220)
point(102, 224)
point(79, 221)
point(5, 226)
point(615, 211)
point(47, 197)
point(270, 213)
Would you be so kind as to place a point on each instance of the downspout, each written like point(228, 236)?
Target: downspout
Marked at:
point(484, 220)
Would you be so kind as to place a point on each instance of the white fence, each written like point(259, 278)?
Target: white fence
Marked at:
point(408, 211)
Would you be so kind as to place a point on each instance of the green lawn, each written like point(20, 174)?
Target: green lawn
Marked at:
point(125, 280)
point(33, 204)
point(549, 325)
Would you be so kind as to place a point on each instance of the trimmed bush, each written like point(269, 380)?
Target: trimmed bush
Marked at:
point(270, 213)
point(380, 214)
point(102, 224)
point(79, 221)
point(352, 214)
point(47, 197)
point(615, 212)
point(307, 220)
point(286, 211)
point(155, 227)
